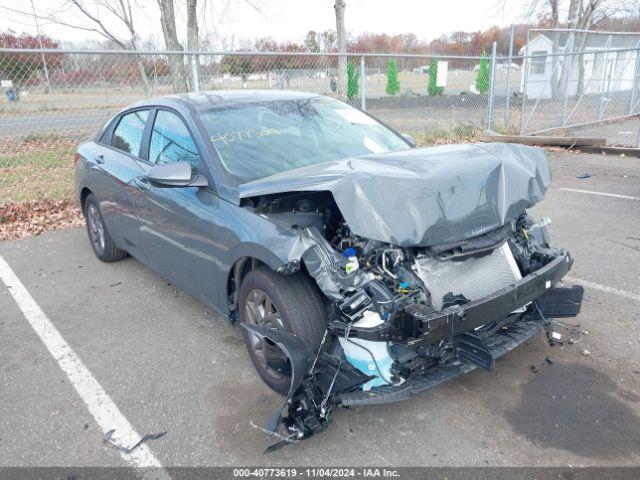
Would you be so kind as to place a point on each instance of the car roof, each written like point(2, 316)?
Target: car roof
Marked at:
point(215, 99)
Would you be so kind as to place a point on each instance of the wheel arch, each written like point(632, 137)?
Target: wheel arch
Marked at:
point(240, 261)
point(84, 193)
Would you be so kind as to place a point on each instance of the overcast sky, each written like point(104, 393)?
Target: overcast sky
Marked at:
point(291, 19)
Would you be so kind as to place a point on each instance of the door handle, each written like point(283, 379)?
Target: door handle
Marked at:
point(141, 184)
point(99, 158)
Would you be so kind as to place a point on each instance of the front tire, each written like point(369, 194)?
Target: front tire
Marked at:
point(99, 238)
point(291, 303)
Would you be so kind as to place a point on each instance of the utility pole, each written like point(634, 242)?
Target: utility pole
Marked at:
point(44, 60)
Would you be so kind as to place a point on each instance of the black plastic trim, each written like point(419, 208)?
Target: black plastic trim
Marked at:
point(497, 345)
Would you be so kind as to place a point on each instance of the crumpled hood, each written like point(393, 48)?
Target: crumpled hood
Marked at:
point(426, 196)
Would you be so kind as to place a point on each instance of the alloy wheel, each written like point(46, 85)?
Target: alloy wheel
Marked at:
point(260, 310)
point(96, 228)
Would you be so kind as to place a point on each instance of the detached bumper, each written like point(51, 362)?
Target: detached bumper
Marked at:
point(430, 327)
point(498, 344)
point(453, 323)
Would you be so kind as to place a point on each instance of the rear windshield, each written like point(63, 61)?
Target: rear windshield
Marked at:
point(256, 140)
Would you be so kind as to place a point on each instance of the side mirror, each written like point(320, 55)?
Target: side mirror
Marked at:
point(175, 175)
point(410, 140)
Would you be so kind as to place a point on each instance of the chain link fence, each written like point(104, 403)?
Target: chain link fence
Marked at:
point(51, 99)
point(582, 81)
point(70, 94)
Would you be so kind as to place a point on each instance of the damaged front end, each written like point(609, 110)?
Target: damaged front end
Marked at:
point(413, 305)
point(404, 320)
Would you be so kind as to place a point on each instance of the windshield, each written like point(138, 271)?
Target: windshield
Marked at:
point(255, 140)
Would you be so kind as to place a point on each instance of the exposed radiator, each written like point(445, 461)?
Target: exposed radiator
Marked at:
point(474, 278)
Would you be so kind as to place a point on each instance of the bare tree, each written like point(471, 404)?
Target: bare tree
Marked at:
point(212, 11)
point(341, 35)
point(582, 15)
point(121, 10)
point(176, 62)
point(192, 30)
point(585, 15)
point(192, 25)
point(580, 18)
point(328, 40)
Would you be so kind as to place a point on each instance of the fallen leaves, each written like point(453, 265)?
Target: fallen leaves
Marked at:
point(23, 219)
point(36, 186)
point(36, 169)
point(36, 145)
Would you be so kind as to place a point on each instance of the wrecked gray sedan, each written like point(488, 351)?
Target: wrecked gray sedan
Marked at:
point(362, 270)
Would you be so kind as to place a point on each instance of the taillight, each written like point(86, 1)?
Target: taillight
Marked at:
point(76, 157)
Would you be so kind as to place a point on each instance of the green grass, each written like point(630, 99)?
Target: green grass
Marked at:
point(36, 169)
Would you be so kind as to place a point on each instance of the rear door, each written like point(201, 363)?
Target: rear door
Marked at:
point(113, 168)
point(177, 226)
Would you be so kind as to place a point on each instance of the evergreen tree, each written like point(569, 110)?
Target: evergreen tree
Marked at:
point(484, 75)
point(393, 84)
point(432, 87)
point(352, 81)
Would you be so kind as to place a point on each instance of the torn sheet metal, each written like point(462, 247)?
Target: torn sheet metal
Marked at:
point(426, 196)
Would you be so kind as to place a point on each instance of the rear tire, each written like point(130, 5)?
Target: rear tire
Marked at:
point(99, 238)
point(291, 303)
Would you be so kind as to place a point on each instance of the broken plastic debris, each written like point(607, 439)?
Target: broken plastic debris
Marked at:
point(282, 439)
point(547, 361)
point(148, 436)
point(586, 352)
point(542, 223)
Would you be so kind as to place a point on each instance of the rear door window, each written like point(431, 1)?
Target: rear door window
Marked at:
point(127, 136)
point(171, 141)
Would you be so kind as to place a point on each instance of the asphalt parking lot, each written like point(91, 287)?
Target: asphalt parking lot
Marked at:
point(170, 365)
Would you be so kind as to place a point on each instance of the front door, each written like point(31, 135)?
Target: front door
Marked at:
point(176, 225)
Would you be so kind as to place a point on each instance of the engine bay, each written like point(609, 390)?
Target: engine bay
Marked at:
point(404, 319)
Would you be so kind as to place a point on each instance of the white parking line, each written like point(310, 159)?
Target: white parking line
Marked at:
point(614, 195)
point(100, 405)
point(604, 288)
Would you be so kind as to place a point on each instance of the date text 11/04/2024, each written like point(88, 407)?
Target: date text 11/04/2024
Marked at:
point(316, 472)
